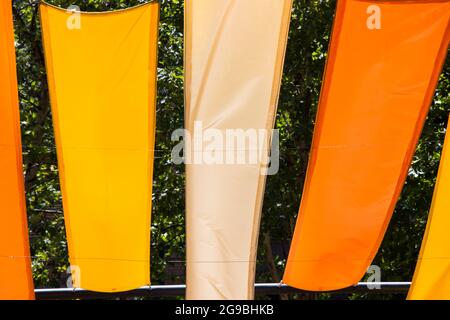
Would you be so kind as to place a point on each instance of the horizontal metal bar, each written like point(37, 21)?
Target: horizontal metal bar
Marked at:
point(179, 290)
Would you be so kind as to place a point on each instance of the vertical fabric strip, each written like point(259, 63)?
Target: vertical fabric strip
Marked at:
point(101, 70)
point(432, 276)
point(384, 62)
point(234, 58)
point(15, 263)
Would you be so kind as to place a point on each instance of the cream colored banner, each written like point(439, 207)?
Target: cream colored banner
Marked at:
point(102, 78)
point(234, 58)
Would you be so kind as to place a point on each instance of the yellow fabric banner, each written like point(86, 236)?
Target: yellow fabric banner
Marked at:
point(15, 265)
point(384, 62)
point(102, 78)
point(234, 53)
point(432, 277)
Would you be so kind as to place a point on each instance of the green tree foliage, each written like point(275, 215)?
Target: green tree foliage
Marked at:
point(305, 60)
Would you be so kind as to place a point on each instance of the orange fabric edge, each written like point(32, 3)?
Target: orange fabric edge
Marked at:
point(52, 89)
point(20, 177)
point(327, 75)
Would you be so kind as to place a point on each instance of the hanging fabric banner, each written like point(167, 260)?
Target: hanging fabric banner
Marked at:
point(384, 61)
point(102, 77)
point(15, 263)
point(234, 59)
point(432, 277)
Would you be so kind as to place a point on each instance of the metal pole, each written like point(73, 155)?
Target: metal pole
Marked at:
point(179, 290)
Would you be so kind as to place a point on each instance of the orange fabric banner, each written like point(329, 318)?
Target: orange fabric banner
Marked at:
point(384, 62)
point(15, 265)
